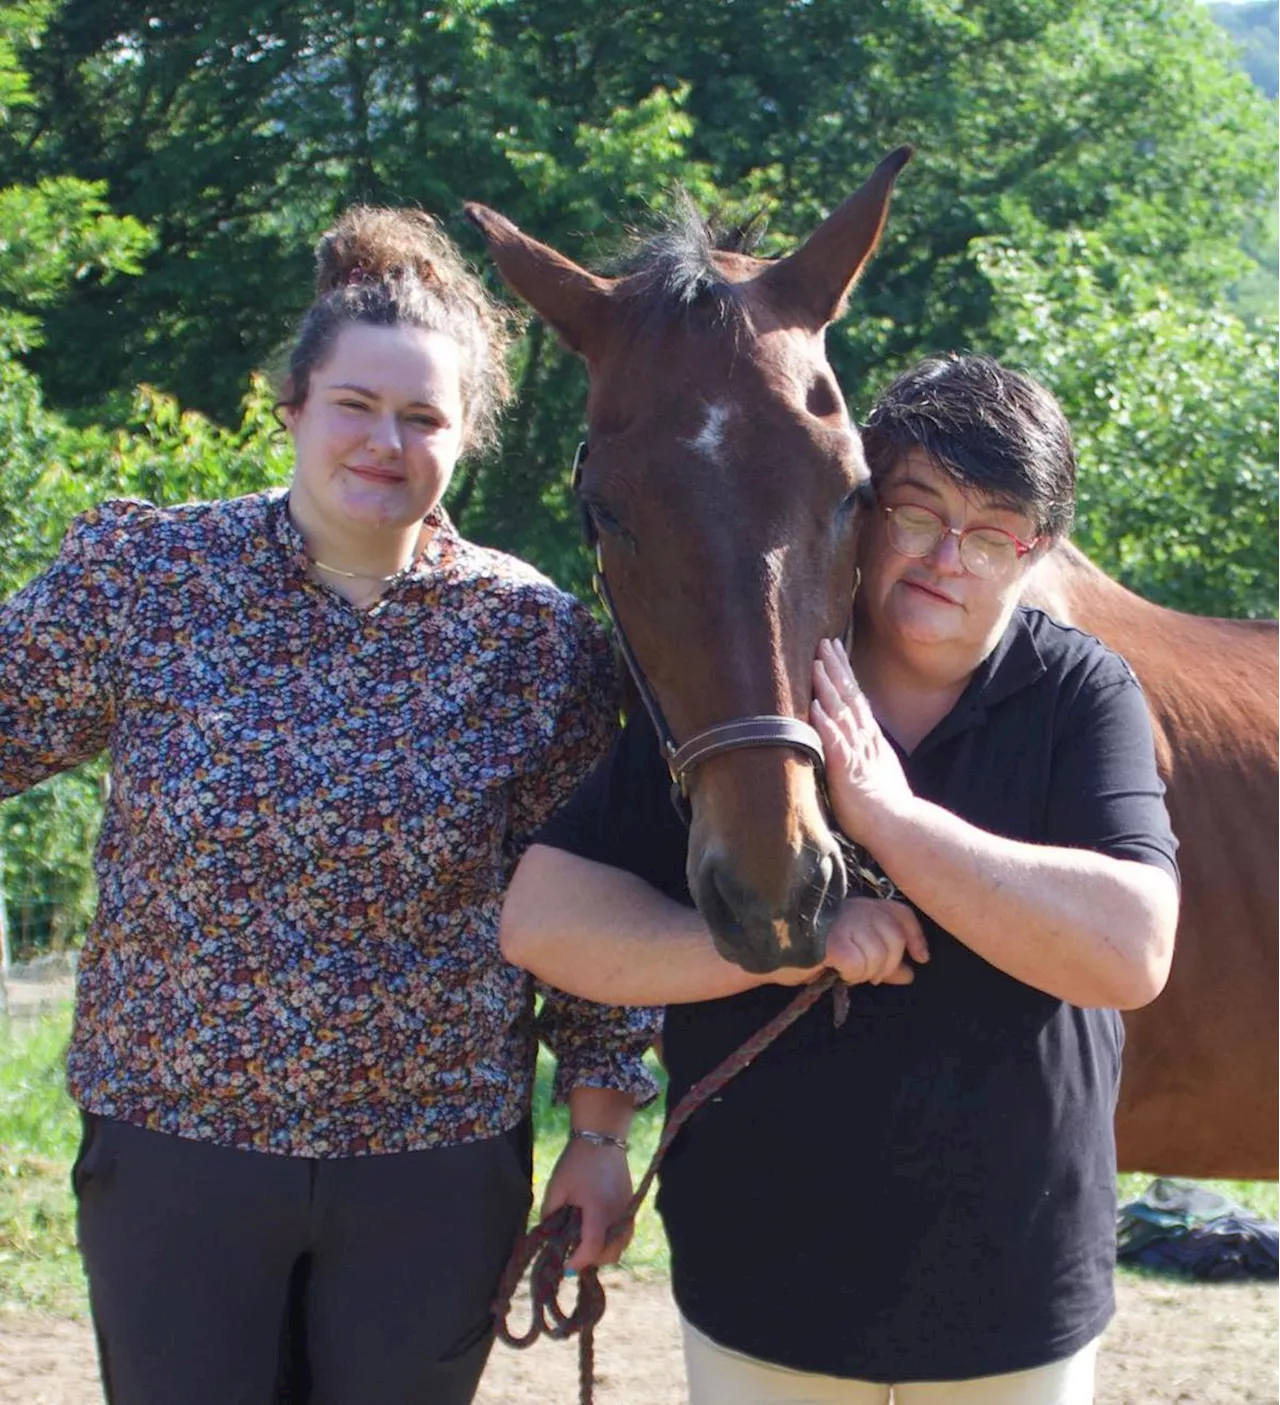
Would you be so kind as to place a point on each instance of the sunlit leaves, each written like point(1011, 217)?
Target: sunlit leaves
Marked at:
point(1174, 409)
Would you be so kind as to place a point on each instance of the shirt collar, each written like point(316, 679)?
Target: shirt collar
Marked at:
point(441, 548)
point(1015, 663)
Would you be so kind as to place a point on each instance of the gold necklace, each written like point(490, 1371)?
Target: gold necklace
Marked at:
point(359, 575)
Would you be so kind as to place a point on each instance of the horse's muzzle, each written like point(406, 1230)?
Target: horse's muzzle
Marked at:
point(763, 934)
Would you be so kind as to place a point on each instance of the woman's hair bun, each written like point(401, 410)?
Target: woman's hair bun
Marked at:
point(397, 268)
point(373, 243)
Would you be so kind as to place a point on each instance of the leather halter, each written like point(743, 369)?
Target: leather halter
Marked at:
point(758, 730)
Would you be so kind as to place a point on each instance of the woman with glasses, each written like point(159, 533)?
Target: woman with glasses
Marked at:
point(920, 1205)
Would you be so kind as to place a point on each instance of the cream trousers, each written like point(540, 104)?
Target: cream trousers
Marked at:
point(718, 1376)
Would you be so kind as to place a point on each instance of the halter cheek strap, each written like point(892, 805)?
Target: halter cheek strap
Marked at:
point(765, 729)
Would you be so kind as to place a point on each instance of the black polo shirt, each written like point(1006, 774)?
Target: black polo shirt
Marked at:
point(927, 1193)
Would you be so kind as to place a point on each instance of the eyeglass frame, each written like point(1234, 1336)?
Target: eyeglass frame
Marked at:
point(1020, 548)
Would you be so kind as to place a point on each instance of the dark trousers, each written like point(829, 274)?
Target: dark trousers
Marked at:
point(223, 1277)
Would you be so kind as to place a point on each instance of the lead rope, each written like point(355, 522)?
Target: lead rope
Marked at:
point(545, 1249)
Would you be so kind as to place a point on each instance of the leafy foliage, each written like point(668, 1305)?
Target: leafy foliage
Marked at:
point(1174, 411)
point(234, 135)
point(1089, 200)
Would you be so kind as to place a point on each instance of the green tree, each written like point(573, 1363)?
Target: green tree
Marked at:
point(1174, 410)
point(236, 133)
point(58, 236)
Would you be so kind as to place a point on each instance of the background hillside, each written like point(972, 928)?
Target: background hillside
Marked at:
point(1256, 29)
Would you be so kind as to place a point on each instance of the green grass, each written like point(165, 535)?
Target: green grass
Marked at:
point(39, 1131)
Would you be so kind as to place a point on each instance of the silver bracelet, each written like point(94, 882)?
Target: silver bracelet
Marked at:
point(579, 1134)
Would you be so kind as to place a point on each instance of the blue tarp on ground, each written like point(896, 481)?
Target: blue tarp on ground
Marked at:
point(1181, 1227)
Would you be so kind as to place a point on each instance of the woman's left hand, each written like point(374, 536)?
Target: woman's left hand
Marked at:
point(597, 1180)
point(864, 776)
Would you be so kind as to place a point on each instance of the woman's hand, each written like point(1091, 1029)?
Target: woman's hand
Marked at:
point(867, 944)
point(864, 775)
point(597, 1180)
point(870, 940)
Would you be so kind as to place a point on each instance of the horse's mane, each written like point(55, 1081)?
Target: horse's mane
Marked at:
point(673, 267)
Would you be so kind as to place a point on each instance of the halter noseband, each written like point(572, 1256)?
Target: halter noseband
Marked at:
point(760, 730)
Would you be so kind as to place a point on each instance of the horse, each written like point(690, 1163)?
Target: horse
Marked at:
point(722, 484)
point(1199, 1092)
point(722, 478)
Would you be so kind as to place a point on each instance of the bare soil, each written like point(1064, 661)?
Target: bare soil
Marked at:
point(1172, 1343)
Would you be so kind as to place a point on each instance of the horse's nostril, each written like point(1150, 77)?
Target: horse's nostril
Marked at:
point(824, 893)
point(761, 933)
point(720, 901)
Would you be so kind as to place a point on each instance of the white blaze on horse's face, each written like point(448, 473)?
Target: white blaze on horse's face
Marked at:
point(709, 440)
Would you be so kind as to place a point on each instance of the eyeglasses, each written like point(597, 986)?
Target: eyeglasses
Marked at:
point(984, 551)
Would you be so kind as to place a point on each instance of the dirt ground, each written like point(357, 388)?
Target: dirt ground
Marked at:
point(1171, 1344)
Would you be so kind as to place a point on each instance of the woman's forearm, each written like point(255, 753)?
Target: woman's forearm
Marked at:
point(1086, 927)
point(604, 934)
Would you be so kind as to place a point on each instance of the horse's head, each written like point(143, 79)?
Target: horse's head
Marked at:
point(721, 480)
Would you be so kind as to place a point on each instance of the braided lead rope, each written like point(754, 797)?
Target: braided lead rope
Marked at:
point(545, 1249)
point(543, 1252)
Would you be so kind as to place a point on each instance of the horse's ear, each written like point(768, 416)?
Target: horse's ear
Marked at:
point(574, 302)
point(815, 280)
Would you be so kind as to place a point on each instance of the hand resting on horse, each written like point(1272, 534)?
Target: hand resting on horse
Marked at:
point(1083, 926)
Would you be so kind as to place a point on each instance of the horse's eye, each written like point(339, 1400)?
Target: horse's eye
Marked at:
point(605, 522)
point(604, 519)
point(850, 504)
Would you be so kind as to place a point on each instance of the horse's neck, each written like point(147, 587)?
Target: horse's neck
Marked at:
point(1067, 586)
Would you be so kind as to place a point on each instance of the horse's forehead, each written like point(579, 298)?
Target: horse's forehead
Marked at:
point(709, 439)
point(695, 382)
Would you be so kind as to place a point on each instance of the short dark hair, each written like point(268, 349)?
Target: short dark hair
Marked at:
point(995, 431)
point(391, 268)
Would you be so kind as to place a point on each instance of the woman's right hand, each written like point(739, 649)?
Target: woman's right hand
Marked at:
point(868, 942)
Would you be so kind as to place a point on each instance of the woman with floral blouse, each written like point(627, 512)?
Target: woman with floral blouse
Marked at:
point(304, 1067)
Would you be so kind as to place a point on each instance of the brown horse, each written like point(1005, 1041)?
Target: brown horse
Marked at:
point(1200, 1091)
point(721, 481)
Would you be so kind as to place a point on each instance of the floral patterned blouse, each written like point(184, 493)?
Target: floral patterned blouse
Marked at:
point(313, 814)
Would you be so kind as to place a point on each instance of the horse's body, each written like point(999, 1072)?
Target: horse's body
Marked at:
point(721, 479)
point(1199, 1093)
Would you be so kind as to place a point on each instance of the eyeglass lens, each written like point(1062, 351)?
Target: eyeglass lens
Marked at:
point(984, 551)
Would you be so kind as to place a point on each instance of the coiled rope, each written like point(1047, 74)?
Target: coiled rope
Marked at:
point(545, 1250)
